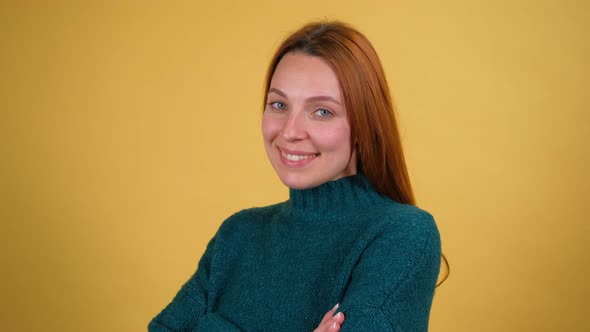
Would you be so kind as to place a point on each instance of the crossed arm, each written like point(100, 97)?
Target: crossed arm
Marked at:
point(375, 298)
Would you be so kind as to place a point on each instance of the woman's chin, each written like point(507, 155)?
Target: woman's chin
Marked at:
point(299, 182)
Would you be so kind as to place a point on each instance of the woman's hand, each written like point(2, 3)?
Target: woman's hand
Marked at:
point(331, 322)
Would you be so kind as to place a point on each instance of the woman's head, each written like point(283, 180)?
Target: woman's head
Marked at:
point(333, 60)
point(305, 124)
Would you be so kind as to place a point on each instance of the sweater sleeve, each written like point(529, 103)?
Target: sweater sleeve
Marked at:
point(392, 284)
point(188, 310)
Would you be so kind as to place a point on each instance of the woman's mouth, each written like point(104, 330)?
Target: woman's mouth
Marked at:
point(297, 158)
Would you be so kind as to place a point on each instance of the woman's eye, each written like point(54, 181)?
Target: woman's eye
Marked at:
point(278, 105)
point(323, 113)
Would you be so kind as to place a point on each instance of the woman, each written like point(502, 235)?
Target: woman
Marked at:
point(348, 251)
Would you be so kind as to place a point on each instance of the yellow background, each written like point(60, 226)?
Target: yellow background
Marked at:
point(130, 130)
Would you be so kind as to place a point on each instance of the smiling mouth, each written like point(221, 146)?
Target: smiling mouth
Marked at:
point(298, 157)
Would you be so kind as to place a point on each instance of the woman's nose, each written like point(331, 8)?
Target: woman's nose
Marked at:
point(294, 127)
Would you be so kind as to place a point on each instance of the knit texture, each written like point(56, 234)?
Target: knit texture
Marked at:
point(282, 267)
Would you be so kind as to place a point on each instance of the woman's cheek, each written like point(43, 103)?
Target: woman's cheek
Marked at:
point(271, 127)
point(333, 137)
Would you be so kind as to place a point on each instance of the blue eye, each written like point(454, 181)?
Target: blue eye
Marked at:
point(322, 112)
point(278, 105)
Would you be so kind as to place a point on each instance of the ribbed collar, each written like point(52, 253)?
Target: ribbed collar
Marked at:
point(332, 199)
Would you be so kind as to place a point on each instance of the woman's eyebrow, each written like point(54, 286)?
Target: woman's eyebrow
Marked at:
point(322, 98)
point(278, 92)
point(315, 98)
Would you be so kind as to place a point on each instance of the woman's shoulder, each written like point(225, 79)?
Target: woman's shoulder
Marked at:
point(406, 227)
point(405, 217)
point(250, 218)
point(255, 213)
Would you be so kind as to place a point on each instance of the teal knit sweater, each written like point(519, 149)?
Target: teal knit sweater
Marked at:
point(282, 267)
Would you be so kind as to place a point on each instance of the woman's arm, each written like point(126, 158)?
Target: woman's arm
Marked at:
point(392, 285)
point(188, 309)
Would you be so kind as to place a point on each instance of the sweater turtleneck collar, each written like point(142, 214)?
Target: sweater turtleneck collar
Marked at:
point(349, 194)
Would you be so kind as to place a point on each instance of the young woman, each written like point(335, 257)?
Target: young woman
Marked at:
point(348, 251)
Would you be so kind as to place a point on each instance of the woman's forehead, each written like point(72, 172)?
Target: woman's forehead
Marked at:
point(306, 76)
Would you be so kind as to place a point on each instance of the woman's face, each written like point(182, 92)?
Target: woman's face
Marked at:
point(305, 126)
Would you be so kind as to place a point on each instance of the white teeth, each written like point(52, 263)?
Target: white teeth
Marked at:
point(296, 157)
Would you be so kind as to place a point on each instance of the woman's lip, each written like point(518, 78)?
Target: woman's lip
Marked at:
point(293, 158)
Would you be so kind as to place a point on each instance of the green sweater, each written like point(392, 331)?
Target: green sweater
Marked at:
point(282, 267)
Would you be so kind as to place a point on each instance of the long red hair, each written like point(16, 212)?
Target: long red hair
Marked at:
point(374, 131)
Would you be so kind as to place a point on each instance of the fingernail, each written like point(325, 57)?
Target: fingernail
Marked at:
point(336, 316)
point(333, 326)
point(336, 306)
